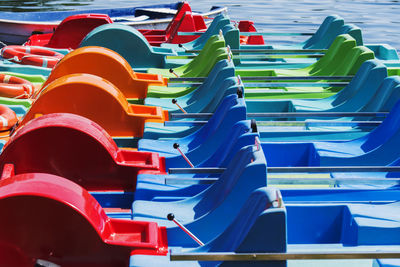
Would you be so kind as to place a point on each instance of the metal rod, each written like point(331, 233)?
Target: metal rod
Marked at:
point(269, 51)
point(296, 84)
point(196, 170)
point(257, 33)
point(269, 78)
point(289, 123)
point(320, 123)
point(272, 85)
point(237, 56)
point(289, 181)
point(191, 115)
point(171, 217)
point(306, 255)
point(314, 114)
point(334, 169)
point(331, 181)
point(174, 101)
point(174, 73)
point(285, 115)
point(277, 33)
point(184, 123)
point(176, 146)
point(228, 49)
point(257, 143)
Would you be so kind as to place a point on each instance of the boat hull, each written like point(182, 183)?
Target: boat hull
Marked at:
point(18, 31)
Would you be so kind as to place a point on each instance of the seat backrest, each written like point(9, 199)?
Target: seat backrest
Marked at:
point(184, 7)
point(386, 96)
point(213, 29)
point(354, 31)
point(364, 84)
point(72, 30)
point(221, 71)
point(87, 95)
point(128, 42)
point(82, 145)
point(348, 63)
point(365, 54)
point(234, 184)
point(257, 227)
point(104, 63)
point(198, 63)
point(387, 129)
point(210, 101)
point(328, 28)
point(231, 36)
point(231, 108)
point(339, 48)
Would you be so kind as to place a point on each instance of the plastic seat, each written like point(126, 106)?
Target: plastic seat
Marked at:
point(80, 150)
point(231, 108)
point(214, 50)
point(90, 238)
point(346, 61)
point(97, 99)
point(259, 226)
point(231, 188)
point(366, 81)
point(121, 39)
point(376, 148)
point(383, 101)
point(160, 132)
point(109, 65)
point(221, 70)
point(201, 99)
point(213, 29)
point(70, 32)
point(198, 153)
point(150, 187)
point(183, 21)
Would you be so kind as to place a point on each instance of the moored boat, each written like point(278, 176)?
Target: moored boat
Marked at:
point(15, 28)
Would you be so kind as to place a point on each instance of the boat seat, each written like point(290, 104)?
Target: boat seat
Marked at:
point(109, 65)
point(88, 95)
point(91, 237)
point(70, 32)
point(80, 150)
point(259, 226)
point(213, 51)
point(121, 39)
point(220, 71)
point(225, 194)
point(150, 186)
point(231, 108)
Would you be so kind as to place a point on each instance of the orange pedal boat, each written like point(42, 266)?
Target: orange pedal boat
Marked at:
point(109, 65)
point(97, 99)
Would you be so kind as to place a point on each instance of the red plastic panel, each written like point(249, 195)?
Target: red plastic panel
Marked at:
point(51, 218)
point(78, 149)
point(71, 31)
point(248, 26)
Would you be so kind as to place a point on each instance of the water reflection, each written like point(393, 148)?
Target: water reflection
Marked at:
point(43, 5)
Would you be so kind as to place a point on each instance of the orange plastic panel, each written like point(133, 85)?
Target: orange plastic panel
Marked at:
point(109, 65)
point(98, 100)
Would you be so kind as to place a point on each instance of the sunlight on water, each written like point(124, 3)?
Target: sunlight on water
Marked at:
point(377, 19)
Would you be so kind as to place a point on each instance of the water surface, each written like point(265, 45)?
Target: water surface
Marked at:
point(378, 19)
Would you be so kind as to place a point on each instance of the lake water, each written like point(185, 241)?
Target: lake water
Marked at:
point(378, 19)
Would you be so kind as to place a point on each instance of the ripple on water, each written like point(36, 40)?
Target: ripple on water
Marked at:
point(379, 26)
